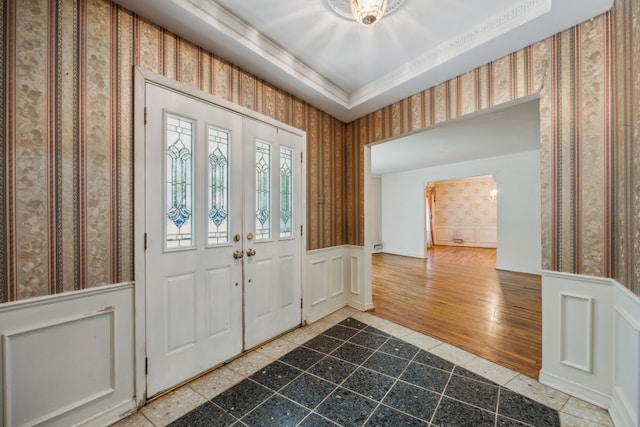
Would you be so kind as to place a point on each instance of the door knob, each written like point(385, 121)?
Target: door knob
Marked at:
point(238, 254)
point(251, 252)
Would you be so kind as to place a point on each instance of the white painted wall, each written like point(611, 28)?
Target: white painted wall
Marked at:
point(375, 213)
point(519, 233)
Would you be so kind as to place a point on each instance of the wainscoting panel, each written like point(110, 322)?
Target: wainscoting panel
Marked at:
point(68, 359)
point(625, 404)
point(326, 282)
point(355, 275)
point(337, 276)
point(576, 320)
point(474, 236)
point(591, 342)
point(334, 278)
point(318, 282)
point(360, 296)
point(577, 335)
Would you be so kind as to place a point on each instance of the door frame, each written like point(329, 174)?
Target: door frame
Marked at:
point(143, 77)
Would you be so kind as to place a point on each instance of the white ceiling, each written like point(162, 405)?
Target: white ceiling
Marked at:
point(350, 70)
point(511, 129)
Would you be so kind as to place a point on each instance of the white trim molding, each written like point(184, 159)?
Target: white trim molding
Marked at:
point(335, 279)
point(591, 342)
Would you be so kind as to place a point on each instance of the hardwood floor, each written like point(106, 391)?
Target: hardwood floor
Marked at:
point(457, 296)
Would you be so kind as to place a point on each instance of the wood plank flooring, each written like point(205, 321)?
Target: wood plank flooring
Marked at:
point(457, 296)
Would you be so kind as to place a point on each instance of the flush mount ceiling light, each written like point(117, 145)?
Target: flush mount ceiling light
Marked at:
point(366, 12)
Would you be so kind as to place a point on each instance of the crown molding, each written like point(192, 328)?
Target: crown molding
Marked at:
point(248, 37)
point(498, 25)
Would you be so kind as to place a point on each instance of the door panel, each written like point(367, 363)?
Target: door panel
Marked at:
point(272, 215)
point(212, 175)
point(180, 295)
point(193, 191)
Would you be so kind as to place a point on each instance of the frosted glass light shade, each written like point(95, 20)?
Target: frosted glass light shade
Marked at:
point(368, 12)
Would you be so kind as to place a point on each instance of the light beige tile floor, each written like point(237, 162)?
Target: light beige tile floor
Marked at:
point(160, 412)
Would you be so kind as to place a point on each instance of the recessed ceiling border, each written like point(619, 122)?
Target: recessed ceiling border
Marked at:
point(343, 8)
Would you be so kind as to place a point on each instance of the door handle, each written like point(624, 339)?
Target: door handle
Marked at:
point(238, 254)
point(251, 252)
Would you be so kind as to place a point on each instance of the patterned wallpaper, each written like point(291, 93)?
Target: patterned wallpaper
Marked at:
point(571, 74)
point(626, 143)
point(465, 203)
point(66, 165)
point(66, 168)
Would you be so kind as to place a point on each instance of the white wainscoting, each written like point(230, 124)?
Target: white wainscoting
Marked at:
point(475, 236)
point(327, 272)
point(68, 359)
point(625, 402)
point(335, 278)
point(591, 342)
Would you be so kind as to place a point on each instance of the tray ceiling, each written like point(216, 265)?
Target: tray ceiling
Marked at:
point(349, 70)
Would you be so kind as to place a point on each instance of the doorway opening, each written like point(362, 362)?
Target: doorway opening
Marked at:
point(461, 213)
point(503, 144)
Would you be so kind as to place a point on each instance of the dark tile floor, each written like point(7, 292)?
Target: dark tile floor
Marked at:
point(354, 375)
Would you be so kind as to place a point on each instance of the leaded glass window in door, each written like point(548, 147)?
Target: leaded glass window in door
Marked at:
point(286, 192)
point(218, 185)
point(263, 190)
point(179, 179)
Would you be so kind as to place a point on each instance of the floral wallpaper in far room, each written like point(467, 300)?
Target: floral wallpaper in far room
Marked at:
point(465, 202)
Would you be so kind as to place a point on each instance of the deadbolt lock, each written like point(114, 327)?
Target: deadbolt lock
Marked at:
point(236, 238)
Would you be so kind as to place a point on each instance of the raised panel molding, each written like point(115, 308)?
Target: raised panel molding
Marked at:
point(35, 364)
point(479, 236)
point(334, 280)
point(576, 330)
point(625, 405)
point(68, 359)
point(591, 342)
point(318, 281)
point(337, 271)
point(355, 275)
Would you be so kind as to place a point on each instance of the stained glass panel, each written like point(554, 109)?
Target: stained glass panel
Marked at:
point(179, 176)
point(286, 192)
point(263, 190)
point(218, 185)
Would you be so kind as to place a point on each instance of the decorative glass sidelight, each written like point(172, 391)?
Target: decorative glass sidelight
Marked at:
point(218, 185)
point(179, 175)
point(263, 190)
point(286, 192)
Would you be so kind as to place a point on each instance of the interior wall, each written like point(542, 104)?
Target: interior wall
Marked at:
point(571, 73)
point(519, 232)
point(465, 204)
point(66, 114)
point(626, 143)
point(66, 167)
point(375, 194)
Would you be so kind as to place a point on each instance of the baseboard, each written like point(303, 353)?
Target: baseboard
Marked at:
point(620, 413)
point(574, 389)
point(359, 306)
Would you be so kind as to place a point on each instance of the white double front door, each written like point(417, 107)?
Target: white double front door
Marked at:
point(222, 200)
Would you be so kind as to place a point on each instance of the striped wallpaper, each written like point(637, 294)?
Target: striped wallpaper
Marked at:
point(66, 170)
point(626, 146)
point(570, 72)
point(67, 163)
